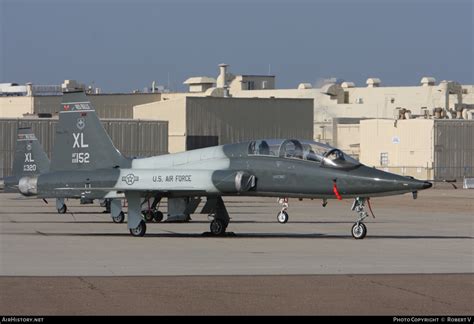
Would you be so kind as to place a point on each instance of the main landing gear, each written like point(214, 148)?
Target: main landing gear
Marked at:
point(62, 209)
point(115, 209)
point(61, 206)
point(151, 213)
point(140, 230)
point(359, 230)
point(282, 216)
point(136, 223)
point(218, 227)
point(119, 218)
point(216, 209)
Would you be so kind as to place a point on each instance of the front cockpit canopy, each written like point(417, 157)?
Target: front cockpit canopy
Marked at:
point(321, 153)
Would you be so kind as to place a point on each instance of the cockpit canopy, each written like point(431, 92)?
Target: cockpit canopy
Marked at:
point(321, 153)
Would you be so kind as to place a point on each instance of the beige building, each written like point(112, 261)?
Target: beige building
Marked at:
point(106, 105)
point(375, 101)
point(345, 102)
point(440, 149)
point(16, 107)
point(196, 122)
point(48, 102)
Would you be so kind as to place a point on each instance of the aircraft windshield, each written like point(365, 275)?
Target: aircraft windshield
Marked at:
point(303, 150)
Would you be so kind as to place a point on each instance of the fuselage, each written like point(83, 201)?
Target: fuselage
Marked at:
point(232, 170)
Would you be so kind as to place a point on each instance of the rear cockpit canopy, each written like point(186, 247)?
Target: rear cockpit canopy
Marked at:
point(306, 150)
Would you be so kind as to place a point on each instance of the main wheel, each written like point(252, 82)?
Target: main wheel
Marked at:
point(359, 231)
point(282, 217)
point(119, 218)
point(140, 230)
point(157, 216)
point(63, 209)
point(218, 227)
point(148, 215)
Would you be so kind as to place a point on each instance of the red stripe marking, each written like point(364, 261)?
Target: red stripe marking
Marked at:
point(336, 192)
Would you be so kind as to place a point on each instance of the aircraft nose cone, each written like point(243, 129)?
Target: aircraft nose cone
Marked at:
point(414, 184)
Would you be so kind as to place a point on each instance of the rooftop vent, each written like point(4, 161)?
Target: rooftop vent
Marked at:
point(373, 82)
point(347, 84)
point(305, 86)
point(427, 81)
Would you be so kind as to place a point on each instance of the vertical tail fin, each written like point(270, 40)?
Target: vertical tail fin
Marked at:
point(30, 159)
point(81, 141)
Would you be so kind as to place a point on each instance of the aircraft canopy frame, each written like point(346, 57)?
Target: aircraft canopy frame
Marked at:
point(306, 150)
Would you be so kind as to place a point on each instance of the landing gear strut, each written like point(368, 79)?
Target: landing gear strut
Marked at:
point(359, 230)
point(282, 216)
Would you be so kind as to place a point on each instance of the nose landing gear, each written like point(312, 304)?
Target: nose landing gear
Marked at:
point(282, 216)
point(359, 230)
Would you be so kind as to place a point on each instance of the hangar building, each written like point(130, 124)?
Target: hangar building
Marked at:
point(440, 149)
point(196, 122)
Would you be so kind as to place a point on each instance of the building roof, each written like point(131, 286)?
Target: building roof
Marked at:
point(200, 80)
point(256, 75)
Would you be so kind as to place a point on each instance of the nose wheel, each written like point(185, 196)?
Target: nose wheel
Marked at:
point(282, 217)
point(359, 231)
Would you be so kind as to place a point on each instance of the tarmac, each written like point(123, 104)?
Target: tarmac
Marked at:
point(417, 258)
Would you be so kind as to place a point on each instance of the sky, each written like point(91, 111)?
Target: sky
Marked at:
point(124, 45)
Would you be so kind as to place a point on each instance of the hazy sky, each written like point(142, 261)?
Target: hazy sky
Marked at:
point(125, 45)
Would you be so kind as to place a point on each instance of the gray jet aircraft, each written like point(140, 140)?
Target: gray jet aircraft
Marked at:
point(86, 163)
point(30, 160)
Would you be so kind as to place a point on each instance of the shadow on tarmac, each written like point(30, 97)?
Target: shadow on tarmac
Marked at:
point(182, 223)
point(232, 235)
